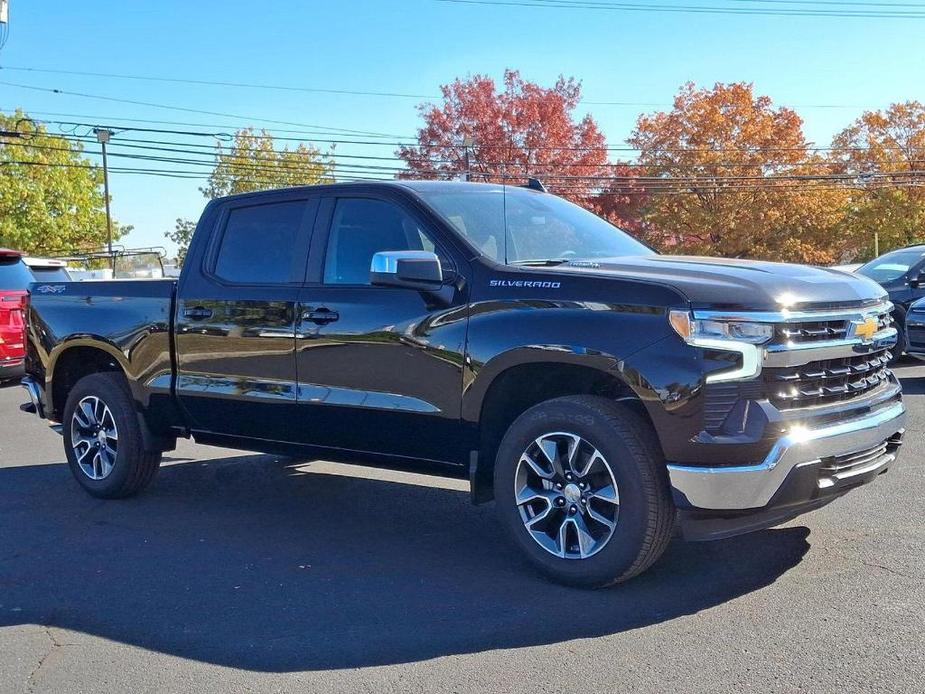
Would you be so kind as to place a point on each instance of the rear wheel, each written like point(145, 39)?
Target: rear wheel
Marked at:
point(103, 439)
point(581, 485)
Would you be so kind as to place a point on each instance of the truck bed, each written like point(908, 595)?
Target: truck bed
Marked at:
point(130, 320)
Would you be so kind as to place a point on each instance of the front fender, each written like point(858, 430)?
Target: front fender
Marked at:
point(504, 335)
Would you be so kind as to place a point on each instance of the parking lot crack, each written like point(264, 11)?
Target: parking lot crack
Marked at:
point(893, 571)
point(55, 645)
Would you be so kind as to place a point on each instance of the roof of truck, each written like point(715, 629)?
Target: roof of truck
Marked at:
point(413, 185)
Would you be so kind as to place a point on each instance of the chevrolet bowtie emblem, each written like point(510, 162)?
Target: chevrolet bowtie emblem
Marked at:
point(864, 329)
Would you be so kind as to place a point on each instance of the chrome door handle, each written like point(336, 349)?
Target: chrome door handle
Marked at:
point(321, 316)
point(197, 313)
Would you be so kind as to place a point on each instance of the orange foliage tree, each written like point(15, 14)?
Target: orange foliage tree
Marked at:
point(728, 174)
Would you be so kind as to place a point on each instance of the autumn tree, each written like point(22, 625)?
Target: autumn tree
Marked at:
point(885, 151)
point(729, 174)
point(254, 162)
point(51, 196)
point(522, 130)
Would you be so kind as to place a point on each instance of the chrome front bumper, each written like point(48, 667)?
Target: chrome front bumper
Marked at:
point(753, 486)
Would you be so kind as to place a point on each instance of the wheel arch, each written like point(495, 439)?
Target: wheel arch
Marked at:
point(74, 359)
point(515, 381)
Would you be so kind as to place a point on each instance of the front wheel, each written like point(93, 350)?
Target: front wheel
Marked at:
point(103, 440)
point(581, 485)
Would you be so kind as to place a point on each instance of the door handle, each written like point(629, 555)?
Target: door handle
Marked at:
point(321, 316)
point(197, 313)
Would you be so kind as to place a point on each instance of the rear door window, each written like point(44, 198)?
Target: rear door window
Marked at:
point(14, 274)
point(259, 244)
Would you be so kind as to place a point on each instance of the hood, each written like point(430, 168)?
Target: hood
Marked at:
point(729, 283)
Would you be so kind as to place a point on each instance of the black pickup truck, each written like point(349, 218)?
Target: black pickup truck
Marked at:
point(602, 395)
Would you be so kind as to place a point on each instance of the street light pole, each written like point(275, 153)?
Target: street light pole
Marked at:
point(102, 136)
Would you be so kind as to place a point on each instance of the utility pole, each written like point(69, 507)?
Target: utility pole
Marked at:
point(865, 180)
point(102, 136)
point(467, 143)
point(4, 21)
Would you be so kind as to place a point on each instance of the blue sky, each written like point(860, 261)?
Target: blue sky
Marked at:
point(412, 46)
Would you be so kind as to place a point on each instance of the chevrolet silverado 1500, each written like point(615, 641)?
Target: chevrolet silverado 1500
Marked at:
point(602, 395)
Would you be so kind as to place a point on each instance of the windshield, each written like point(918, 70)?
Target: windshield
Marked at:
point(891, 266)
point(49, 273)
point(539, 227)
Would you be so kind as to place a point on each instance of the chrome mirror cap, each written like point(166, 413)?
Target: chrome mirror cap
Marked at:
point(412, 269)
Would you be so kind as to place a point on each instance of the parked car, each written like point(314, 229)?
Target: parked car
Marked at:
point(601, 394)
point(850, 267)
point(14, 280)
point(915, 329)
point(902, 274)
point(16, 273)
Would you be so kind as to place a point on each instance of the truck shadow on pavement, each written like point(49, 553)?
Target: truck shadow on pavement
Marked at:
point(255, 563)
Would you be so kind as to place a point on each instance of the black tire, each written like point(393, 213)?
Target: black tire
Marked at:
point(627, 442)
point(133, 468)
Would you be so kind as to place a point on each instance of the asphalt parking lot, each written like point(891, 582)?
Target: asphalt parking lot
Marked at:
point(252, 573)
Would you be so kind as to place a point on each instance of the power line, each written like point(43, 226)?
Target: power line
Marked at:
point(853, 5)
point(118, 123)
point(385, 94)
point(707, 168)
point(223, 83)
point(691, 9)
point(184, 109)
point(638, 184)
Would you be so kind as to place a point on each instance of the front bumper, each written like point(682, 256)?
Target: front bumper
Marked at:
point(805, 469)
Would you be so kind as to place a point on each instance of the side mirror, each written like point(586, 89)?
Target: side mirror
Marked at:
point(410, 269)
point(917, 281)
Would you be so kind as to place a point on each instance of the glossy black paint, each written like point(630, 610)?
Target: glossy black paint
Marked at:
point(236, 369)
point(130, 322)
point(396, 374)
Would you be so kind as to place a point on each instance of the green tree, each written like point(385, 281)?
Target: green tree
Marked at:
point(181, 235)
point(51, 197)
point(885, 150)
point(253, 162)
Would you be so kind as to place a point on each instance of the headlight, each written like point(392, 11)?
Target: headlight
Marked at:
point(695, 330)
point(725, 335)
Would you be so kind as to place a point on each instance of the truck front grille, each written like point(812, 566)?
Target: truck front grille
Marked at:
point(813, 332)
point(823, 382)
point(823, 330)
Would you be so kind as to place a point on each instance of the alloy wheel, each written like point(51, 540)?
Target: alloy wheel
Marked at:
point(567, 495)
point(94, 437)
